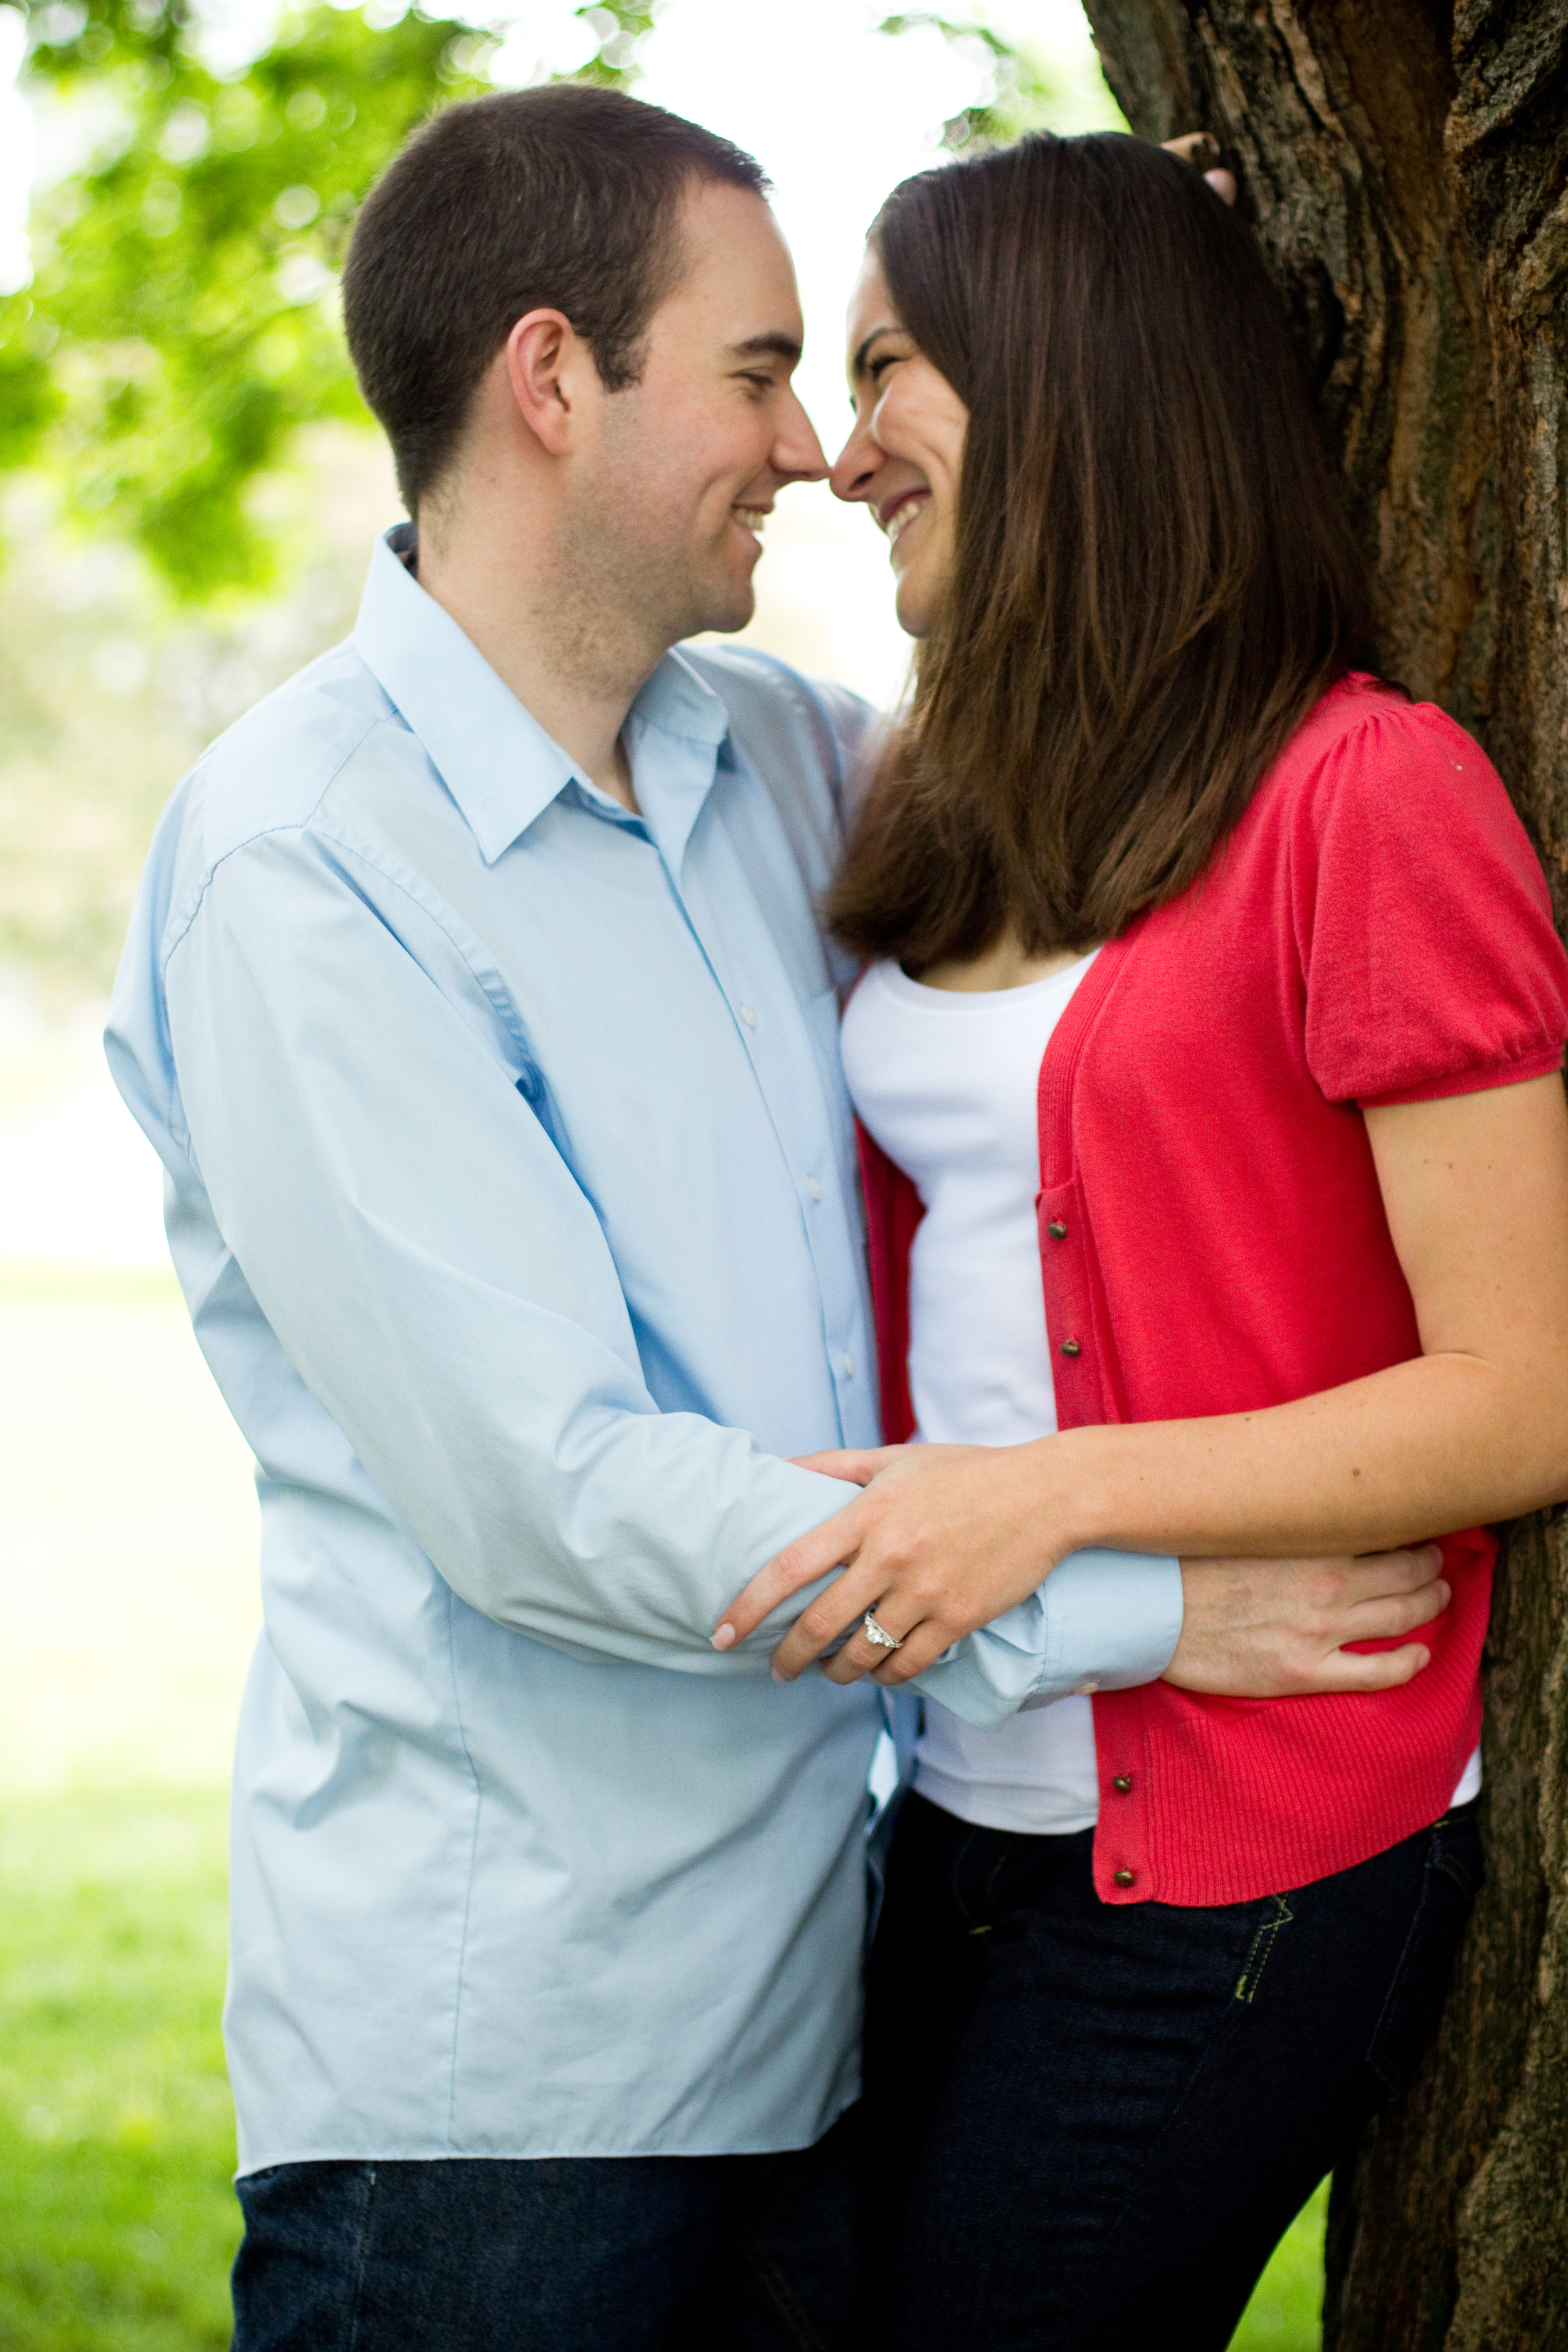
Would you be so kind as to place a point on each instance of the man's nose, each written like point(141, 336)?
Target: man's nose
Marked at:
point(797, 452)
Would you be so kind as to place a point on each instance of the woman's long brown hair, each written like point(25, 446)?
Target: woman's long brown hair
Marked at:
point(1153, 578)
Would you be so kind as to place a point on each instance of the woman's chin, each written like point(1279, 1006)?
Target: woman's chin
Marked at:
point(913, 608)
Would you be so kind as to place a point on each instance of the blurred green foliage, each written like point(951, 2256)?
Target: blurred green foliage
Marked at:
point(181, 320)
point(1021, 91)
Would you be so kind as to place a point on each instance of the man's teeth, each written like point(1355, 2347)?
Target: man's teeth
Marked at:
point(903, 515)
point(752, 518)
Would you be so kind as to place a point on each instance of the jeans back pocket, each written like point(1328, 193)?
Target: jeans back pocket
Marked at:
point(1449, 1885)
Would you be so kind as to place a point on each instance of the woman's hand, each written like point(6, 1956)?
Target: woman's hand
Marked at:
point(1251, 1628)
point(938, 1544)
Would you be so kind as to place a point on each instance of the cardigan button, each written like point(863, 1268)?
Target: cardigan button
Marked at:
point(1071, 1348)
point(1122, 1783)
point(1121, 1877)
point(1056, 1230)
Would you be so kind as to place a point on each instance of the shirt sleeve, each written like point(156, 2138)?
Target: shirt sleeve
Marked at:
point(1101, 1621)
point(1422, 918)
point(441, 1283)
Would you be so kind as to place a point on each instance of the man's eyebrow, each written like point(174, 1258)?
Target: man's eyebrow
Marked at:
point(776, 345)
point(888, 327)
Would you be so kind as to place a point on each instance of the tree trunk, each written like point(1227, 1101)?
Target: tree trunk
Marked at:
point(1405, 164)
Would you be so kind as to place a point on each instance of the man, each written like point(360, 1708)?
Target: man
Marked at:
point(475, 1005)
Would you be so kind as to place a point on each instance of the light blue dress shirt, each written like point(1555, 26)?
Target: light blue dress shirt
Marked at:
point(510, 1183)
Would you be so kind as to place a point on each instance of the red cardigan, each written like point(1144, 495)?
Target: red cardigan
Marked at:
point(1376, 929)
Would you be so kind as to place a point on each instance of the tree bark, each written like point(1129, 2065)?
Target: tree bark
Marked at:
point(1406, 166)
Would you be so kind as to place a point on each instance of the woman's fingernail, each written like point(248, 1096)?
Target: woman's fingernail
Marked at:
point(776, 1675)
point(724, 1637)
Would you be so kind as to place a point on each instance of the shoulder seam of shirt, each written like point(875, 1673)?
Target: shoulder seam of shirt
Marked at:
point(180, 921)
point(465, 942)
point(799, 691)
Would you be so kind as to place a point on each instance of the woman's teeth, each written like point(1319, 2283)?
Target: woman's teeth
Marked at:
point(905, 514)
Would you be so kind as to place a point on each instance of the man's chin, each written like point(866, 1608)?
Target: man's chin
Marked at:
point(728, 613)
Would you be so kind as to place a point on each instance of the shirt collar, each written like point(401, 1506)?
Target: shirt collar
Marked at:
point(495, 759)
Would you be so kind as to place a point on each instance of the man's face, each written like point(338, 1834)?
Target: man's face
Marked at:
point(677, 473)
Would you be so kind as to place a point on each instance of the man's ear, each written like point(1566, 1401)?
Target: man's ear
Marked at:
point(543, 353)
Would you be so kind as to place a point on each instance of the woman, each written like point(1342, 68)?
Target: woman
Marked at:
point(1177, 916)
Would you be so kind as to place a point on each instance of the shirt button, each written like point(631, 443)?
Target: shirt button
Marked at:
point(1086, 1690)
point(1071, 1348)
point(1056, 1230)
point(849, 1366)
point(1122, 1783)
point(813, 1186)
point(748, 1016)
point(1121, 1877)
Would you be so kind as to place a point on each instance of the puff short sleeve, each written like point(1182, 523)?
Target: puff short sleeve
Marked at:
point(1423, 925)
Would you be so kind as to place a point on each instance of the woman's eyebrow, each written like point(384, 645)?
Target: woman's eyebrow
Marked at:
point(889, 326)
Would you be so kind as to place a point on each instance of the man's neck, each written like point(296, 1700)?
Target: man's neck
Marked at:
point(573, 666)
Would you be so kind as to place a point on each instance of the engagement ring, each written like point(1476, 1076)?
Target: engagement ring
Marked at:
point(880, 1633)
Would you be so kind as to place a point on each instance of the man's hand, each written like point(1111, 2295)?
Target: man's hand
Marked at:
point(1276, 1627)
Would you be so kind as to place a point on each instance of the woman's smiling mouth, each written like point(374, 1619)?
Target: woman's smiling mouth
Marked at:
point(898, 513)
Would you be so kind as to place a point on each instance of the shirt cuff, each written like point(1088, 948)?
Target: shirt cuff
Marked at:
point(1102, 1621)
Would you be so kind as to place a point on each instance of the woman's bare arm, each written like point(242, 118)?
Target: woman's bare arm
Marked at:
point(945, 1538)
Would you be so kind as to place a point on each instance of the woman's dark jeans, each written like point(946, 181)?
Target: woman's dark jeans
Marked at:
point(1089, 2124)
point(644, 2253)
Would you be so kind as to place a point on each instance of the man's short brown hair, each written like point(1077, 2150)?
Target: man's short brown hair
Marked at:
point(567, 198)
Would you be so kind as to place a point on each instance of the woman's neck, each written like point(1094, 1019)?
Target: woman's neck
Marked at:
point(1004, 964)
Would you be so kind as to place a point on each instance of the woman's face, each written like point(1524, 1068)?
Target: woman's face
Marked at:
point(903, 456)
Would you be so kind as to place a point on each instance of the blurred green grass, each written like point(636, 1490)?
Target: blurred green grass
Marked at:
point(116, 2128)
point(1286, 2314)
point(126, 1590)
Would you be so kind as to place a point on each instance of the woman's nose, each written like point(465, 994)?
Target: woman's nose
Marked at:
point(854, 468)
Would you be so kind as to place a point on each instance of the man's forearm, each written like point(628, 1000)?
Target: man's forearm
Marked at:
point(1104, 1620)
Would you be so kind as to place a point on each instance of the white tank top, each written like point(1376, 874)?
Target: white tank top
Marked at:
point(947, 1082)
point(944, 1081)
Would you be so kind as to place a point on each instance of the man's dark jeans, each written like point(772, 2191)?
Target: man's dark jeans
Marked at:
point(1088, 2124)
point(715, 2254)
